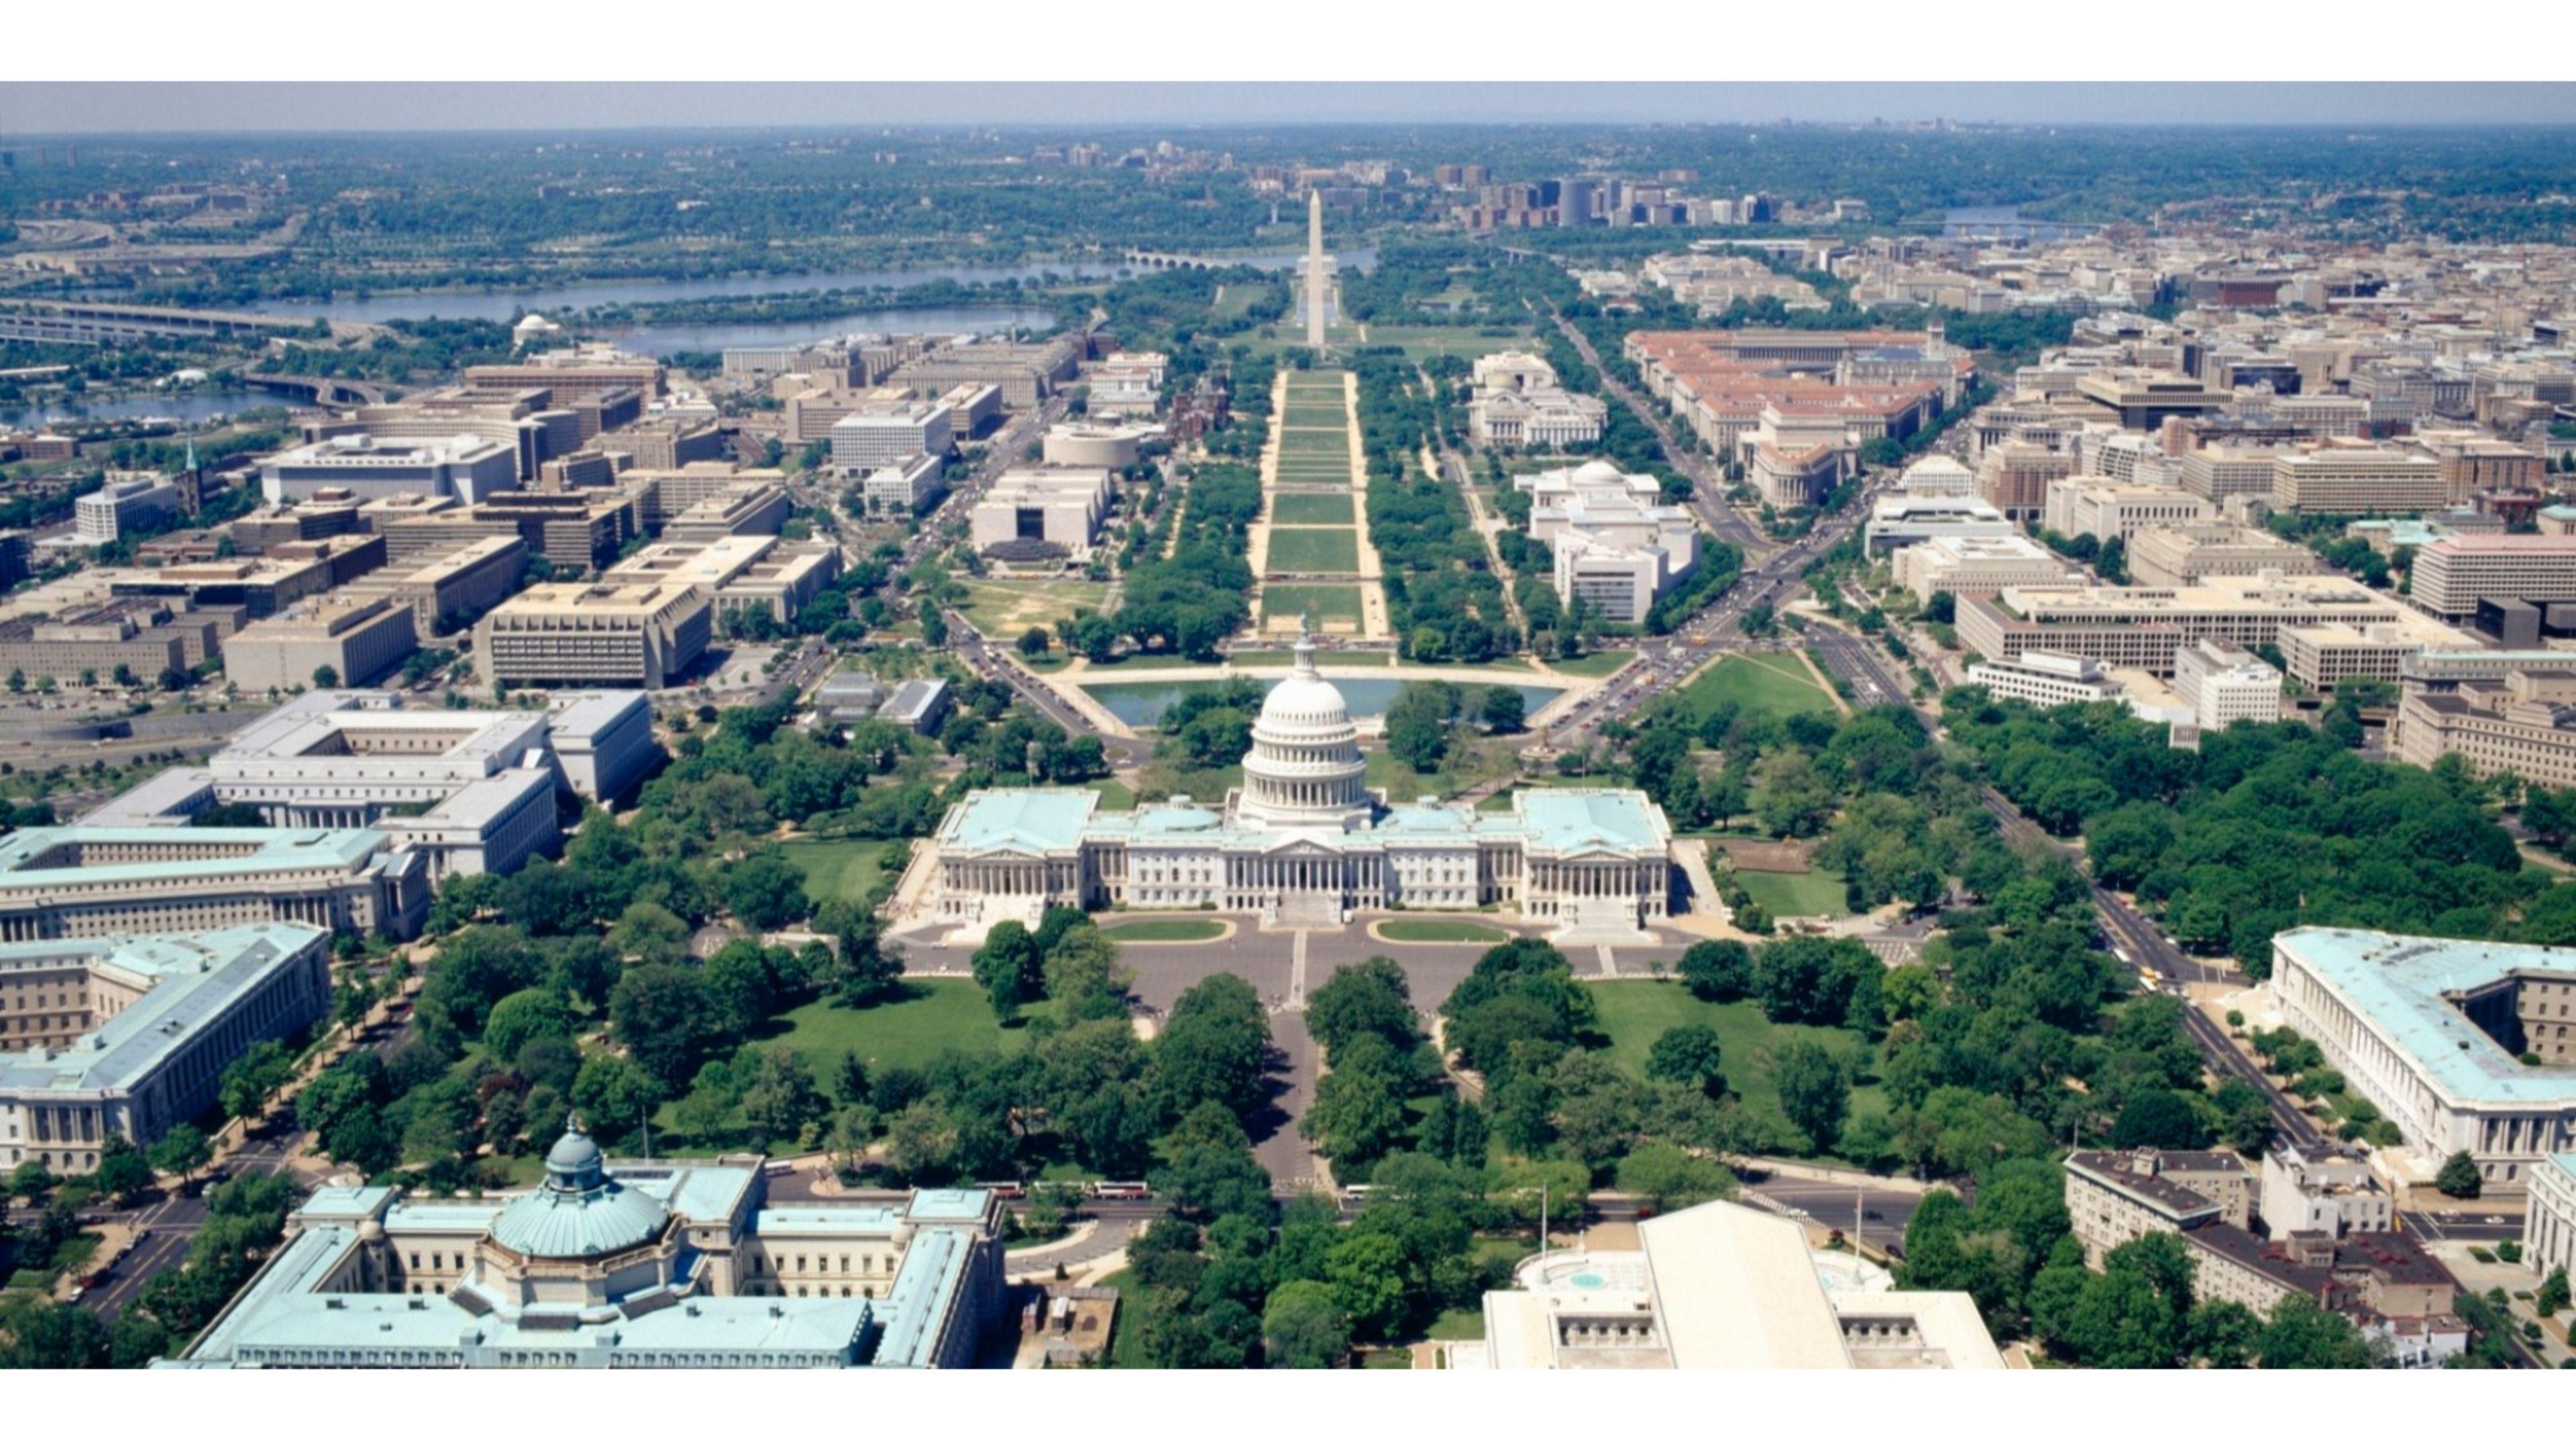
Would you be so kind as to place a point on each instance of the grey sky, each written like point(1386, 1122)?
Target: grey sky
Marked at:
point(49, 108)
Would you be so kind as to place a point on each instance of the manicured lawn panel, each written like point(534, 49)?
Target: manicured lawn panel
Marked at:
point(1439, 930)
point(1314, 551)
point(935, 1015)
point(1633, 1013)
point(1163, 930)
point(838, 870)
point(1766, 684)
point(1816, 893)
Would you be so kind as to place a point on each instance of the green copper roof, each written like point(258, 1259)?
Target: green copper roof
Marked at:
point(1025, 820)
point(1570, 821)
point(2398, 983)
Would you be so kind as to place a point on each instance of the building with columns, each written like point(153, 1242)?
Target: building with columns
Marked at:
point(130, 1036)
point(72, 881)
point(1304, 840)
point(680, 1264)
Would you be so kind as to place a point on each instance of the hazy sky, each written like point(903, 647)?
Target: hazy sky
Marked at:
point(44, 108)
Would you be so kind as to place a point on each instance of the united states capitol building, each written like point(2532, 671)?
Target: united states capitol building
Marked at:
point(1304, 841)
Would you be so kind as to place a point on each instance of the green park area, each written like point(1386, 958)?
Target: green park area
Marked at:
point(1420, 343)
point(931, 1016)
point(1809, 893)
point(1598, 664)
point(1772, 684)
point(1315, 414)
point(1440, 932)
point(1164, 930)
point(839, 870)
point(1003, 609)
point(1633, 1013)
point(1335, 607)
point(1311, 509)
point(1314, 551)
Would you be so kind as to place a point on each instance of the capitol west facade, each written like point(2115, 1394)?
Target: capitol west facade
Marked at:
point(1305, 842)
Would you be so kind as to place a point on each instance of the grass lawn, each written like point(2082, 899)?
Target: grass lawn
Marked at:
point(1004, 608)
point(1314, 551)
point(934, 1015)
point(1314, 442)
point(1168, 929)
point(838, 870)
point(1633, 1013)
point(1331, 604)
point(1470, 342)
point(1328, 509)
point(1461, 932)
point(1262, 658)
point(1764, 684)
point(1115, 794)
point(1458, 1323)
point(1126, 1344)
point(1595, 665)
point(1304, 414)
point(1816, 893)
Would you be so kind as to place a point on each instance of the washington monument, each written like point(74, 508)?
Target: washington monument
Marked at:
point(1318, 285)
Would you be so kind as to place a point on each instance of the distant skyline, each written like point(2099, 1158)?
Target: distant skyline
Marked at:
point(40, 108)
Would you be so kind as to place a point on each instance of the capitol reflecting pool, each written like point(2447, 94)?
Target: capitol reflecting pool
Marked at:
point(1141, 703)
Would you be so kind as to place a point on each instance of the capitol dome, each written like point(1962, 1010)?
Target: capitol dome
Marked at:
point(579, 1211)
point(1305, 770)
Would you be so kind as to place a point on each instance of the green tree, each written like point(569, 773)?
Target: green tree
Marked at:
point(2459, 1177)
point(1688, 1054)
point(181, 1151)
point(1718, 970)
point(667, 1020)
point(1814, 1091)
point(522, 1017)
point(1009, 968)
point(326, 677)
point(1664, 1177)
point(1366, 1274)
point(1305, 1327)
point(2302, 1335)
point(122, 1173)
point(615, 1095)
point(2222, 1333)
point(766, 890)
point(781, 1100)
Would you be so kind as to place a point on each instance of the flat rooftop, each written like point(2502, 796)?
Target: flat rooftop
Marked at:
point(2399, 982)
point(194, 978)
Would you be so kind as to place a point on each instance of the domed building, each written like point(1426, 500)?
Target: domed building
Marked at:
point(1304, 841)
point(679, 1264)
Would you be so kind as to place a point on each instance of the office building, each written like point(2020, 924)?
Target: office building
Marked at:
point(2089, 504)
point(603, 742)
point(762, 573)
point(2321, 656)
point(1720, 1286)
point(643, 636)
point(1128, 385)
point(2219, 473)
point(1028, 373)
point(1060, 508)
point(448, 592)
point(1614, 543)
point(59, 882)
point(1937, 475)
point(2523, 722)
point(621, 1265)
point(2046, 679)
point(261, 587)
point(907, 488)
point(326, 513)
point(2142, 398)
point(1517, 403)
point(665, 444)
point(890, 432)
point(753, 508)
point(1897, 520)
point(2370, 482)
point(663, 494)
point(130, 638)
point(2549, 1231)
point(357, 641)
point(919, 705)
point(2014, 477)
point(2452, 576)
point(2174, 555)
point(126, 505)
point(1973, 564)
point(2140, 628)
point(466, 468)
point(1305, 840)
point(578, 372)
point(2114, 1198)
point(1795, 479)
point(2223, 685)
point(129, 1036)
point(2433, 1033)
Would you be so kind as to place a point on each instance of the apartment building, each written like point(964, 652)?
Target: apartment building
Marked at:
point(644, 636)
point(2114, 1198)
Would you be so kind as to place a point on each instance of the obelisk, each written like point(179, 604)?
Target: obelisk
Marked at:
point(1316, 300)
